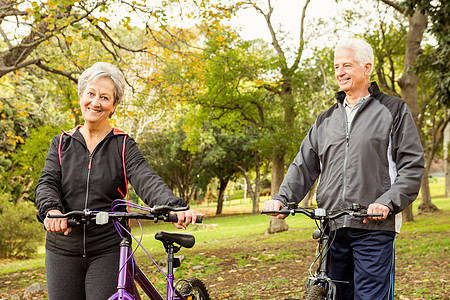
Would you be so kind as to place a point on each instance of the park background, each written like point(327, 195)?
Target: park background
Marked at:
point(220, 95)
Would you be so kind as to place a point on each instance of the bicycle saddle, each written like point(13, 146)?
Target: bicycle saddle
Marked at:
point(186, 240)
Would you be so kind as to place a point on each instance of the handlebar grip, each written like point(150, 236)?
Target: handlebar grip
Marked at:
point(72, 223)
point(174, 218)
point(365, 215)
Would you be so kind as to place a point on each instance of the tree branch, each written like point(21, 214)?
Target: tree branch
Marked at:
point(6, 70)
point(302, 40)
point(395, 5)
point(55, 71)
point(275, 42)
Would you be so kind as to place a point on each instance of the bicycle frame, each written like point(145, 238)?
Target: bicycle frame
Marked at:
point(321, 276)
point(129, 273)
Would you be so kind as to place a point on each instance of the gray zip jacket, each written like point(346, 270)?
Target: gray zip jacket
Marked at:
point(379, 160)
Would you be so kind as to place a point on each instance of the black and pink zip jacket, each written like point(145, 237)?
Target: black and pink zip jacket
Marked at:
point(75, 179)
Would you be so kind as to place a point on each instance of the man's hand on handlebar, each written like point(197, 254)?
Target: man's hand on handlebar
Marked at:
point(187, 216)
point(56, 224)
point(377, 208)
point(271, 205)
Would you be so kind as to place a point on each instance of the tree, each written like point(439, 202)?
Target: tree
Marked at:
point(223, 155)
point(285, 89)
point(447, 158)
point(166, 155)
point(417, 13)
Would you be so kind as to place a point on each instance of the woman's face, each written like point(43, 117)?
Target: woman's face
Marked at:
point(97, 101)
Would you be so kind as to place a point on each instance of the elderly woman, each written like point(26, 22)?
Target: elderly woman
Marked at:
point(84, 170)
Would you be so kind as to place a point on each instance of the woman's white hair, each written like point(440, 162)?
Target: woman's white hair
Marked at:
point(99, 70)
point(363, 51)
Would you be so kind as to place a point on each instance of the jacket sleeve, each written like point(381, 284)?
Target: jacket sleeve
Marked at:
point(48, 189)
point(149, 186)
point(302, 172)
point(407, 155)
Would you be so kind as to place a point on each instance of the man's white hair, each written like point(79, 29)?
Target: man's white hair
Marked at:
point(363, 51)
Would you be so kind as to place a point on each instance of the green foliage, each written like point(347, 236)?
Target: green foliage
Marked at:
point(437, 61)
point(27, 162)
point(167, 156)
point(20, 232)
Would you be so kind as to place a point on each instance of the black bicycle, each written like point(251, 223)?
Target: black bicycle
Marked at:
point(319, 286)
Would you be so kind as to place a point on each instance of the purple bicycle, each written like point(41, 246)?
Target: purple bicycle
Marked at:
point(129, 271)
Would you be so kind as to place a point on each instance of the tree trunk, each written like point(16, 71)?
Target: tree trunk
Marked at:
point(407, 214)
point(308, 199)
point(425, 205)
point(222, 188)
point(277, 225)
point(277, 171)
point(254, 192)
point(208, 195)
point(447, 158)
point(259, 178)
point(408, 81)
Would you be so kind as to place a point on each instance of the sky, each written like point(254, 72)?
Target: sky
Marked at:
point(286, 15)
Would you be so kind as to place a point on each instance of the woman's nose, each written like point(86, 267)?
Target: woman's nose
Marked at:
point(95, 101)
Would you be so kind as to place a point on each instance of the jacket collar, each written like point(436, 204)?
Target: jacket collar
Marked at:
point(373, 90)
point(115, 131)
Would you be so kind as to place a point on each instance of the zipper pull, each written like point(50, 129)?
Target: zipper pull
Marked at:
point(347, 137)
point(90, 161)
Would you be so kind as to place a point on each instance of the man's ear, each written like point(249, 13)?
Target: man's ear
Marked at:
point(368, 68)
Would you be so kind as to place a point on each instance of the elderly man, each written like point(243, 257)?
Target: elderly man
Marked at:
point(366, 150)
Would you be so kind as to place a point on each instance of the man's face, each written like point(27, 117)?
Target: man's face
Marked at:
point(350, 75)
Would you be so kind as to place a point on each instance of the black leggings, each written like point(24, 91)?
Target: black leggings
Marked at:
point(80, 278)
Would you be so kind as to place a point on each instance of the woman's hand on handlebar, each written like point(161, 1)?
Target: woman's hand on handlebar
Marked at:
point(186, 217)
point(271, 205)
point(377, 208)
point(56, 224)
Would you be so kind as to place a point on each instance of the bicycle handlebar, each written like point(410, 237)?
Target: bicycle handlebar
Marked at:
point(157, 213)
point(319, 213)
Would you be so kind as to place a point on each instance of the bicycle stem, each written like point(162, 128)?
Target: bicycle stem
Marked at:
point(122, 276)
point(324, 251)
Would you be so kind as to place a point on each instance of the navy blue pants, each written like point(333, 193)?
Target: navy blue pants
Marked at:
point(364, 261)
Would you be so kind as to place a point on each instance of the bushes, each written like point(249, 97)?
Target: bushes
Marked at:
point(20, 232)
